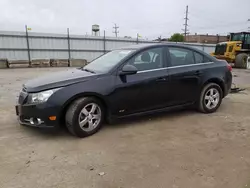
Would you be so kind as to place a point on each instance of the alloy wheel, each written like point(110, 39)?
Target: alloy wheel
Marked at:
point(212, 98)
point(89, 117)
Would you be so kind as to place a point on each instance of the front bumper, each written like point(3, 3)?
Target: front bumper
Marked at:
point(37, 115)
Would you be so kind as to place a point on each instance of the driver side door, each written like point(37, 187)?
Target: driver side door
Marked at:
point(145, 90)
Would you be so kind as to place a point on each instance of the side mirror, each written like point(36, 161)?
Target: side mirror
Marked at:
point(128, 70)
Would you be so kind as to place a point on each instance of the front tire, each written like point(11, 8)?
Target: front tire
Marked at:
point(210, 98)
point(84, 117)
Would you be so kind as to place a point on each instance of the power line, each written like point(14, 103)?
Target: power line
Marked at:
point(116, 30)
point(186, 23)
point(209, 27)
point(216, 22)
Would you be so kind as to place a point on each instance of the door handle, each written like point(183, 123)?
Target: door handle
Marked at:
point(161, 79)
point(198, 73)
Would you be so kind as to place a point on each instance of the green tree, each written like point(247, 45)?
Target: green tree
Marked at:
point(177, 37)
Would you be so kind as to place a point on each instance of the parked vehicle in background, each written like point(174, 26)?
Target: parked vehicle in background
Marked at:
point(236, 50)
point(129, 81)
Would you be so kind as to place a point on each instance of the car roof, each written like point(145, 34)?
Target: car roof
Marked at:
point(141, 47)
point(149, 45)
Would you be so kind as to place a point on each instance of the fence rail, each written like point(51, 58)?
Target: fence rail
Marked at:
point(28, 46)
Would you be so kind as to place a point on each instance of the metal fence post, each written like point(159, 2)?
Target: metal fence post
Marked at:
point(68, 44)
point(104, 42)
point(28, 45)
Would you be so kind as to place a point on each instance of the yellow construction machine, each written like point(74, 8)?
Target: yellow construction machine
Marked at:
point(236, 50)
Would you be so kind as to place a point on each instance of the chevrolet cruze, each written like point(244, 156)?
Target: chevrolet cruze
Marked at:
point(129, 81)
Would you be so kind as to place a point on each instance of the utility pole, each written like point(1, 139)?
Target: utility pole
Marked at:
point(249, 22)
point(116, 30)
point(186, 24)
point(104, 42)
point(69, 51)
point(28, 44)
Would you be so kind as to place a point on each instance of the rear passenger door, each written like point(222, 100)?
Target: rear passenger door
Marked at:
point(185, 68)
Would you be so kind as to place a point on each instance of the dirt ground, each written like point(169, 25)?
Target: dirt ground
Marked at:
point(183, 149)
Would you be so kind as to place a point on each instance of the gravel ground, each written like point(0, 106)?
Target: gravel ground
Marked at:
point(169, 150)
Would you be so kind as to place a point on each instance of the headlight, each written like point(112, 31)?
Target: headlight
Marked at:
point(41, 96)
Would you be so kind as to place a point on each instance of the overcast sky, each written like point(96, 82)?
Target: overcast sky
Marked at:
point(149, 18)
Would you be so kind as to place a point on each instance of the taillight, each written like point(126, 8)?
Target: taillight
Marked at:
point(229, 67)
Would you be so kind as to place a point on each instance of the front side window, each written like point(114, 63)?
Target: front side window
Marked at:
point(106, 62)
point(148, 59)
point(181, 56)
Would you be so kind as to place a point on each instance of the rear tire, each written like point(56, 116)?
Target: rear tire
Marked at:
point(241, 60)
point(210, 98)
point(84, 117)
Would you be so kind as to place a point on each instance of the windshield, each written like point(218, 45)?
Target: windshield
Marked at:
point(237, 37)
point(106, 62)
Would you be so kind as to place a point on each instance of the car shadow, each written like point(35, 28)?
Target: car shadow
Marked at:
point(130, 121)
point(62, 132)
point(48, 133)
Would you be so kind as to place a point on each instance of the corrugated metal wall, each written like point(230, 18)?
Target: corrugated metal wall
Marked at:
point(13, 45)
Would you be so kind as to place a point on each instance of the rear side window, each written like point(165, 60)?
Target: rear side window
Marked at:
point(181, 56)
point(199, 58)
point(206, 60)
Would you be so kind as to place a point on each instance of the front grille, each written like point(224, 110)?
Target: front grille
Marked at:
point(220, 49)
point(23, 96)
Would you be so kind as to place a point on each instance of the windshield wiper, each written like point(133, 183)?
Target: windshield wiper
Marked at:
point(87, 70)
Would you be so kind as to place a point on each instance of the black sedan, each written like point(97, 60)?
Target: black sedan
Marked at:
point(129, 81)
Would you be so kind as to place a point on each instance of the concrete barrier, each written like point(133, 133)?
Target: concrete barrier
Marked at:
point(59, 63)
point(40, 62)
point(78, 62)
point(18, 63)
point(4, 63)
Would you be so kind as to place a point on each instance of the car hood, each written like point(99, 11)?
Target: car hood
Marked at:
point(58, 79)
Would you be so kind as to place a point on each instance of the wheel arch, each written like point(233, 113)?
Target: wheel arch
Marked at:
point(81, 95)
point(216, 81)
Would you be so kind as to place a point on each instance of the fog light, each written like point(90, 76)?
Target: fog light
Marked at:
point(32, 121)
point(37, 121)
